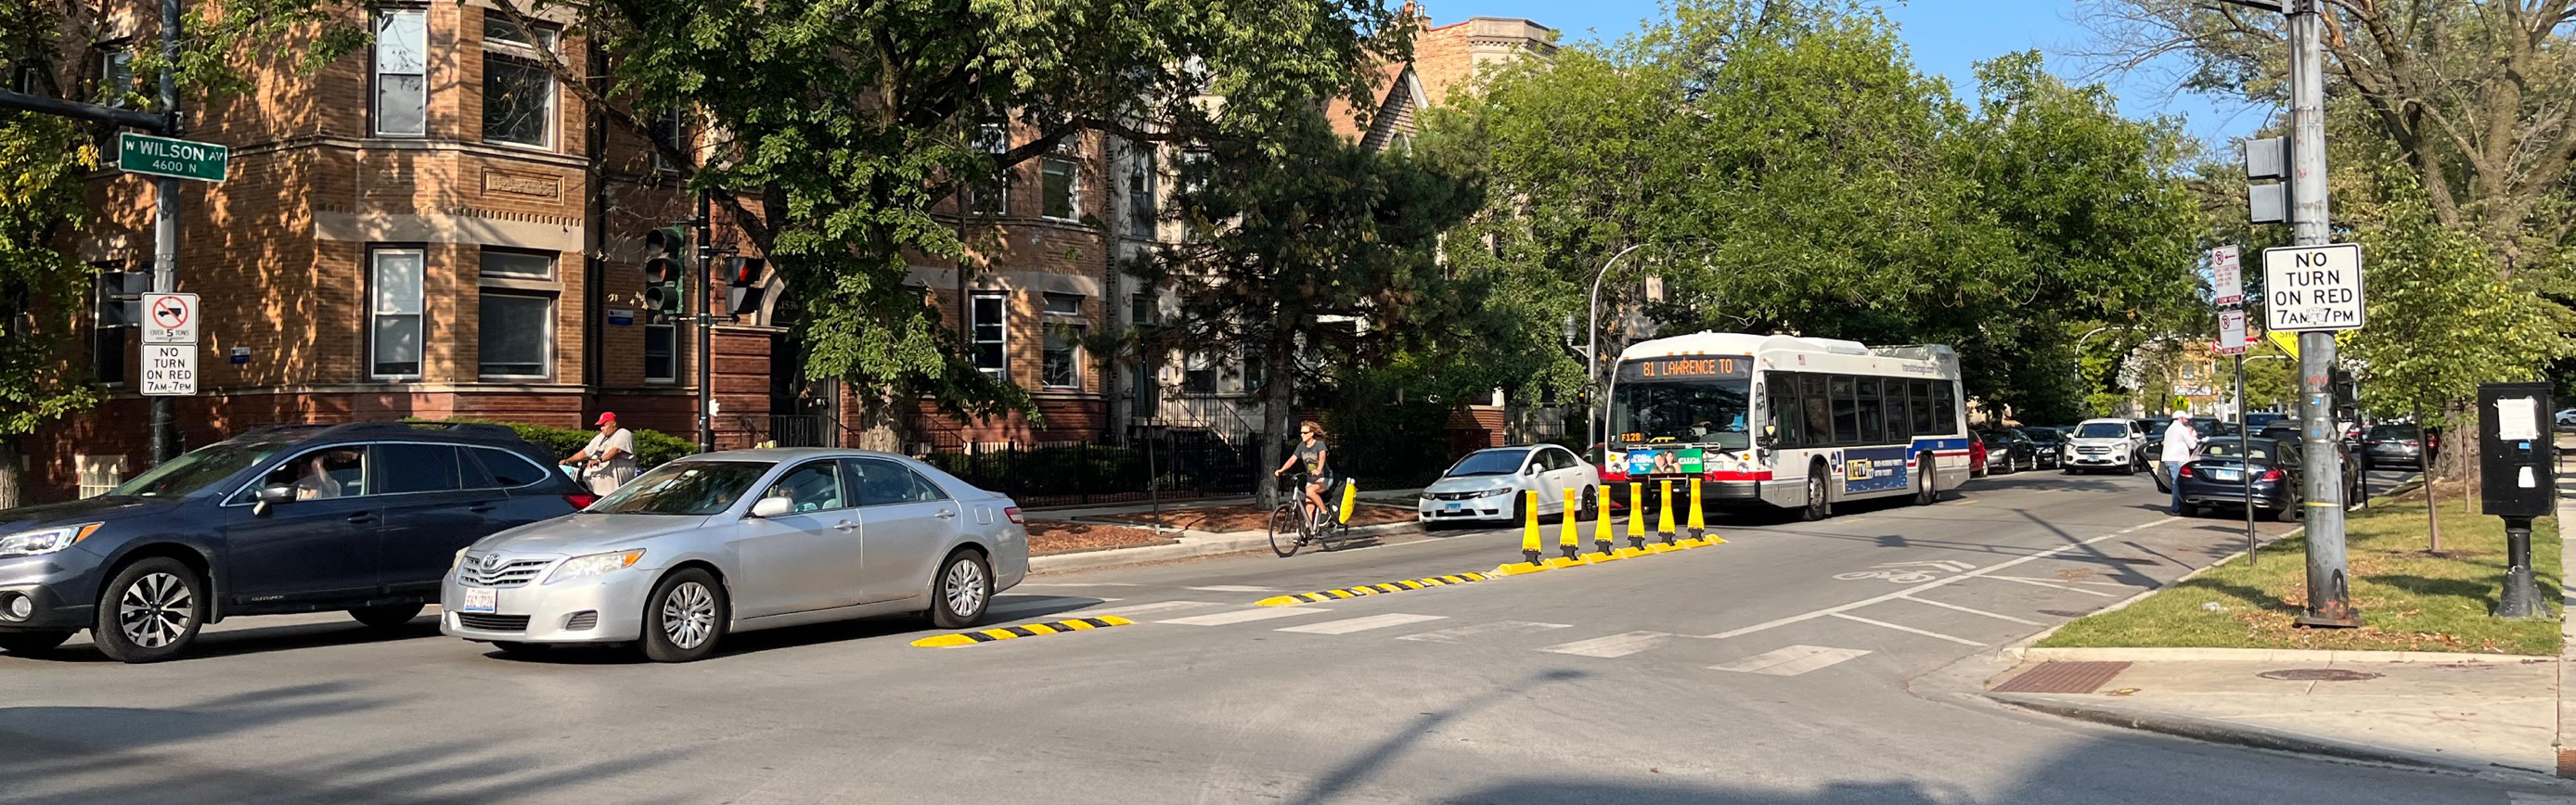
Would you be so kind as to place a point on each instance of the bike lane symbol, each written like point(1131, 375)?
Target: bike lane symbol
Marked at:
point(1907, 572)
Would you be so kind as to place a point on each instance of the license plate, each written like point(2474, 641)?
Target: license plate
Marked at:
point(1457, 506)
point(2222, 475)
point(480, 599)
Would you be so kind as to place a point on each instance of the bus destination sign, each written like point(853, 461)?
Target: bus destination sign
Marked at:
point(1692, 367)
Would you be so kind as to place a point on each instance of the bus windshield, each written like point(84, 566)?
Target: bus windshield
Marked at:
point(1685, 412)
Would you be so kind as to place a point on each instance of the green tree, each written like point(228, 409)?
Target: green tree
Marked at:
point(1315, 255)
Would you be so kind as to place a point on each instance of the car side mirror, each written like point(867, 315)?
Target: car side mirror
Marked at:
point(272, 495)
point(772, 507)
point(1531, 469)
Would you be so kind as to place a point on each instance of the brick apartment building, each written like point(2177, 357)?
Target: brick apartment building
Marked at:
point(433, 227)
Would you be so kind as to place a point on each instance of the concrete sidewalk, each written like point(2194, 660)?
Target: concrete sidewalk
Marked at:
point(1193, 543)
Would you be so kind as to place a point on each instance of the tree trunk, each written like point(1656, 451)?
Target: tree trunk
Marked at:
point(12, 474)
point(2432, 506)
point(1278, 387)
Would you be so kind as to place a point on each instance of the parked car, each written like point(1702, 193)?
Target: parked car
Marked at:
point(2567, 418)
point(735, 541)
point(1495, 485)
point(2009, 449)
point(2105, 444)
point(361, 517)
point(2208, 428)
point(2258, 419)
point(2050, 443)
point(2226, 468)
point(2391, 446)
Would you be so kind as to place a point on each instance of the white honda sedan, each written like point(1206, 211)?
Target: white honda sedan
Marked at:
point(1495, 485)
point(741, 540)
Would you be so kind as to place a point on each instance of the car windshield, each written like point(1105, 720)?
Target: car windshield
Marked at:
point(1690, 412)
point(200, 468)
point(2264, 449)
point(2394, 432)
point(1488, 462)
point(2101, 430)
point(684, 487)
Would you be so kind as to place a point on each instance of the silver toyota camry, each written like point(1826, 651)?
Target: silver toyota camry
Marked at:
point(742, 540)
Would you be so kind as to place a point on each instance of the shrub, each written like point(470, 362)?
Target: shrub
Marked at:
point(652, 447)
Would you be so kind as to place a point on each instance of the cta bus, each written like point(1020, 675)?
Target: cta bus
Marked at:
point(1785, 421)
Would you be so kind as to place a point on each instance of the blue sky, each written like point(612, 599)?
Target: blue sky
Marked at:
point(1948, 37)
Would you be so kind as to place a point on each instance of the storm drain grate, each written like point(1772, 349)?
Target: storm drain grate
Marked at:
point(2063, 677)
point(2318, 675)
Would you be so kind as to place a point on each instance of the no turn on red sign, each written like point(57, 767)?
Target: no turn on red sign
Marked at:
point(2312, 287)
point(170, 318)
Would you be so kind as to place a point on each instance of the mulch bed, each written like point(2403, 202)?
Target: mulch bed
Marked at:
point(1056, 536)
point(1251, 517)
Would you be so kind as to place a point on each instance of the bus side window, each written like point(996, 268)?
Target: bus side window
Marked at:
point(1846, 409)
point(1820, 416)
point(1945, 396)
point(1873, 411)
point(1919, 398)
point(1781, 410)
point(1900, 425)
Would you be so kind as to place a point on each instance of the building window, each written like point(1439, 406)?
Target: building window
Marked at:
point(991, 193)
point(1194, 166)
point(1064, 304)
point(1141, 212)
point(517, 335)
point(402, 73)
point(670, 129)
point(661, 353)
point(1198, 376)
point(1140, 310)
point(1063, 364)
point(394, 331)
point(989, 315)
point(518, 265)
point(116, 75)
point(518, 87)
point(99, 474)
point(1057, 189)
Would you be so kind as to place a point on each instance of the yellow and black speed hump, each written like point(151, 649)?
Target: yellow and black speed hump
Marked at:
point(1025, 630)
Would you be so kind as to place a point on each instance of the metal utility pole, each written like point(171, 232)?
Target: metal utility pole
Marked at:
point(2329, 601)
point(698, 301)
point(165, 226)
point(1592, 354)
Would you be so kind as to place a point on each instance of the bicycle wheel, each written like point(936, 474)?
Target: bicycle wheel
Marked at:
point(1286, 532)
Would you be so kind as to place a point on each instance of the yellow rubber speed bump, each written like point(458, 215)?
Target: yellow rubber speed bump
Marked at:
point(1294, 599)
point(1024, 630)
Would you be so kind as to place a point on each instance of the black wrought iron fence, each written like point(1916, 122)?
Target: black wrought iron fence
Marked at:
point(1167, 465)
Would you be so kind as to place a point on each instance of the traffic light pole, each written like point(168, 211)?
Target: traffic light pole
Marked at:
point(165, 228)
point(2329, 601)
point(699, 302)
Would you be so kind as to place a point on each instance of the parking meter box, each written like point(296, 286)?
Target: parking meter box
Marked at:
point(2516, 449)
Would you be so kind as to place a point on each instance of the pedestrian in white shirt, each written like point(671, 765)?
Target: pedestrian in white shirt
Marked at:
point(2181, 444)
point(609, 460)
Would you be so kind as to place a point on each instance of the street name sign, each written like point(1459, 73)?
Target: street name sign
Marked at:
point(175, 158)
point(170, 318)
point(2312, 287)
point(2226, 277)
point(169, 370)
point(2231, 332)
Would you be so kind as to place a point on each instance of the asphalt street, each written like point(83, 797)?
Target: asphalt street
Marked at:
point(1797, 663)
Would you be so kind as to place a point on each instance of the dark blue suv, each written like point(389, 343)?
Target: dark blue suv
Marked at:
point(364, 517)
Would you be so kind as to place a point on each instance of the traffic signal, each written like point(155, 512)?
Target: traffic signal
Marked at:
point(666, 271)
point(742, 284)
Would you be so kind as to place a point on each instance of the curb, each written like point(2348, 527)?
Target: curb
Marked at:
point(2267, 655)
point(2201, 729)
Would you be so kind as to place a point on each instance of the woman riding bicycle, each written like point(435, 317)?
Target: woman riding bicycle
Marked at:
point(1312, 453)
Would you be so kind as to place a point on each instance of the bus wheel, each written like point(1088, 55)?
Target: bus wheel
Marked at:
point(1818, 507)
point(1925, 473)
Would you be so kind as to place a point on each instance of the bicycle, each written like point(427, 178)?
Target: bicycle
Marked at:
point(1292, 526)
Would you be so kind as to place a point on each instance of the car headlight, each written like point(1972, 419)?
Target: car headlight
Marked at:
point(594, 564)
point(459, 561)
point(45, 540)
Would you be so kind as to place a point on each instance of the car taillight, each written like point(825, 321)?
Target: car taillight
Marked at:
point(2185, 471)
point(2413, 443)
point(2272, 475)
point(1013, 512)
point(581, 500)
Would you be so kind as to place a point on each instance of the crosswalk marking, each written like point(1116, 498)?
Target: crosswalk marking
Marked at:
point(1241, 616)
point(1233, 588)
point(1166, 606)
point(1049, 601)
point(1790, 661)
point(1995, 615)
point(1617, 645)
point(1908, 629)
point(1361, 624)
point(1462, 633)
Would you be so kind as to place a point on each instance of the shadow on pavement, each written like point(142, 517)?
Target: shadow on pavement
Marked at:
point(1836, 793)
point(256, 640)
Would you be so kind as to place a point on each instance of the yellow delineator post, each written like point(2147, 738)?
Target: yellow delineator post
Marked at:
point(1350, 496)
point(1566, 538)
point(1529, 527)
point(1698, 521)
point(1664, 519)
point(1636, 521)
point(1601, 534)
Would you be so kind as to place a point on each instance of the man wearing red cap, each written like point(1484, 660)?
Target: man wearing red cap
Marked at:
point(609, 461)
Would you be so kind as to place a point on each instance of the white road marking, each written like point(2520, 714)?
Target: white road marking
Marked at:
point(1994, 615)
point(1233, 588)
point(1078, 584)
point(1242, 616)
point(1973, 574)
point(1790, 661)
point(1166, 606)
point(1462, 633)
point(1024, 606)
point(2051, 584)
point(1349, 625)
point(1617, 645)
point(1936, 635)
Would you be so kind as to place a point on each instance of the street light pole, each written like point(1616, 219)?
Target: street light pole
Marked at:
point(2329, 602)
point(1592, 353)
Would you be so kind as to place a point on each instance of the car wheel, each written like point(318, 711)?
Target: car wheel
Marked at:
point(390, 616)
point(28, 644)
point(2133, 466)
point(1591, 504)
point(1928, 474)
point(2287, 514)
point(685, 617)
point(522, 649)
point(150, 612)
point(1818, 506)
point(962, 591)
